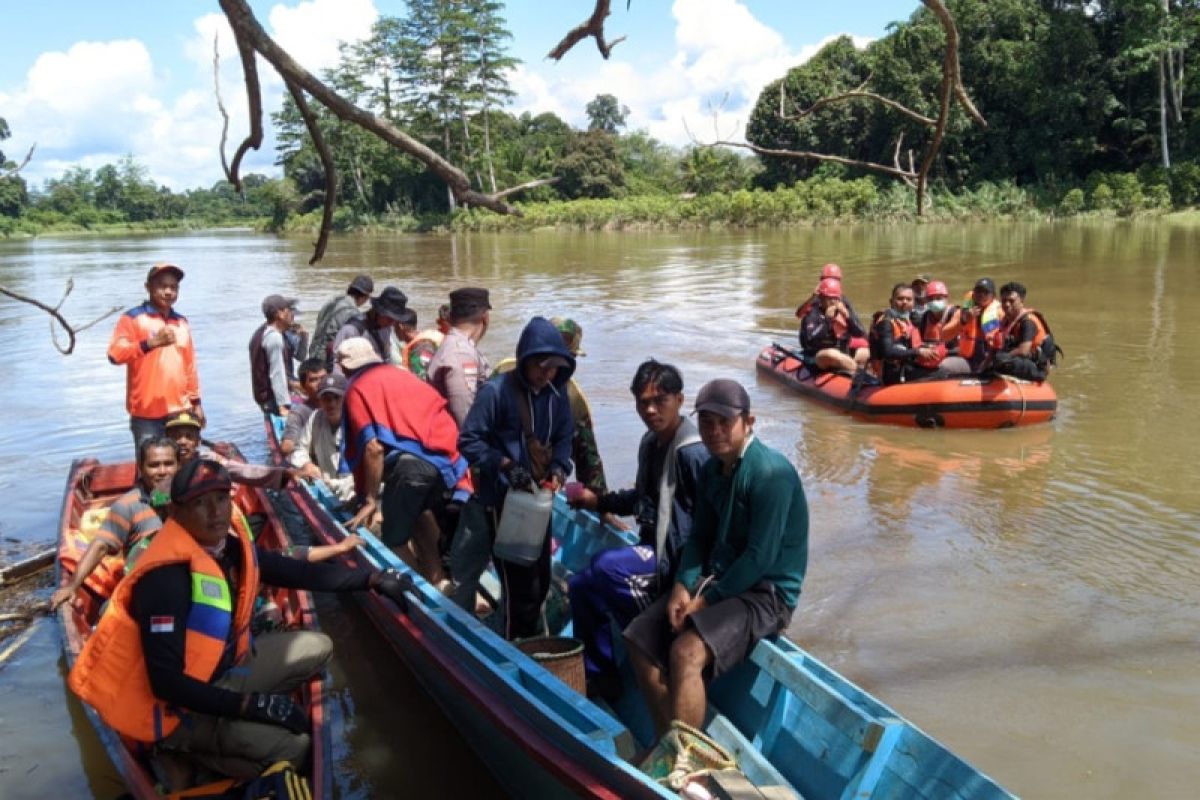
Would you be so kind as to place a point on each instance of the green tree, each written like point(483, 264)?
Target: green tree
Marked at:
point(606, 114)
point(591, 166)
point(14, 196)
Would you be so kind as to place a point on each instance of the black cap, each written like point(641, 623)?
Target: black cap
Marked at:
point(363, 285)
point(390, 302)
point(197, 477)
point(724, 397)
point(333, 383)
point(985, 285)
point(272, 304)
point(468, 302)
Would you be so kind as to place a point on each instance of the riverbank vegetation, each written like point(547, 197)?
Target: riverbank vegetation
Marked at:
point(1087, 106)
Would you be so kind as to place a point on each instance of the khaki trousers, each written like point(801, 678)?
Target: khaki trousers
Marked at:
point(280, 662)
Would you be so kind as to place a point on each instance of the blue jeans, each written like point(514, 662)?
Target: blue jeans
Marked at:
point(471, 551)
point(143, 429)
point(619, 583)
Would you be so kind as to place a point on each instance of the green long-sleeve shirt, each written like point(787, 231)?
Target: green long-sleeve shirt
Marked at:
point(749, 526)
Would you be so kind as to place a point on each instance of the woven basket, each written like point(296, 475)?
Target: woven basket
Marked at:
point(561, 655)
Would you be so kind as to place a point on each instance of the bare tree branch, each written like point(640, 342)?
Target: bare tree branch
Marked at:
point(11, 171)
point(593, 26)
point(221, 108)
point(252, 38)
point(854, 94)
point(331, 182)
point(952, 90)
point(530, 185)
point(896, 171)
point(56, 316)
point(254, 98)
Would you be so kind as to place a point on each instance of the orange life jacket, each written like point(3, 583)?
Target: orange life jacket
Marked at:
point(902, 330)
point(973, 338)
point(1001, 335)
point(110, 674)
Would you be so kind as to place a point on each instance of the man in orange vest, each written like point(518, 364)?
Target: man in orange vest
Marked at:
point(154, 342)
point(1021, 342)
point(170, 662)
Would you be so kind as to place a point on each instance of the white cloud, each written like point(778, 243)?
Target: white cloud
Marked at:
point(723, 57)
point(98, 101)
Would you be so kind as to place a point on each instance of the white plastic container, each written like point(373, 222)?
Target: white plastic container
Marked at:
point(524, 524)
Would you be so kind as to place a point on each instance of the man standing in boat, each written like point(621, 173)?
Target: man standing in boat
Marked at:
point(458, 368)
point(154, 342)
point(402, 446)
point(170, 662)
point(740, 572)
point(517, 437)
point(621, 582)
point(376, 324)
point(336, 313)
point(270, 355)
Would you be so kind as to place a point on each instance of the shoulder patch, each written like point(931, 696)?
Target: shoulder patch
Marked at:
point(162, 624)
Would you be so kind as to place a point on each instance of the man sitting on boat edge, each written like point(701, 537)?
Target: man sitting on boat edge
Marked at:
point(173, 645)
point(740, 572)
point(621, 582)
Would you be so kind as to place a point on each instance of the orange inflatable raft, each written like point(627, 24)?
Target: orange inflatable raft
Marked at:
point(964, 402)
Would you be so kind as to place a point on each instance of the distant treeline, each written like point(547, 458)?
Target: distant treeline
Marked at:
point(1087, 102)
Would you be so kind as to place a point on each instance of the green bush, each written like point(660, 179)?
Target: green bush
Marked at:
point(1073, 202)
point(1127, 193)
point(1102, 198)
point(1185, 184)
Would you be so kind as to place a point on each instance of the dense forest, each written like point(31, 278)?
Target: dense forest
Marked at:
point(1088, 103)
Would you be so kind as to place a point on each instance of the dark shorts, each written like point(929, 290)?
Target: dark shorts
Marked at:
point(411, 486)
point(730, 628)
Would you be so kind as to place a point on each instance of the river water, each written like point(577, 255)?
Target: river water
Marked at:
point(1026, 596)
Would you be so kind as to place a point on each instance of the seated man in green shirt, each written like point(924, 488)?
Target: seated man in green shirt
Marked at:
point(739, 573)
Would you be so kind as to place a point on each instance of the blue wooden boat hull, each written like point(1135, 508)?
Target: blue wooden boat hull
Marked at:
point(790, 719)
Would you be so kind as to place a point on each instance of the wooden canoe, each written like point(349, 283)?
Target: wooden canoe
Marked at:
point(791, 720)
point(91, 488)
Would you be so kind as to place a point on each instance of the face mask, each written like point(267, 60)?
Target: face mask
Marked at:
point(901, 314)
point(936, 306)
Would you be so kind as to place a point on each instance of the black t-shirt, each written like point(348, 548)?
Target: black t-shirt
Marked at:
point(163, 597)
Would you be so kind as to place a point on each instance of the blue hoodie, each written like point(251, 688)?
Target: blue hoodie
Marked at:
point(493, 429)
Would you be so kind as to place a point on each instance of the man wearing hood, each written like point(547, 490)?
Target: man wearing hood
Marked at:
point(517, 436)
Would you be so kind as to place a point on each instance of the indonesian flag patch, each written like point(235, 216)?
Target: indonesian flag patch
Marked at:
point(162, 624)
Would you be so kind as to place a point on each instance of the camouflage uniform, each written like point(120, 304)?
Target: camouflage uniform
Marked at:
point(457, 370)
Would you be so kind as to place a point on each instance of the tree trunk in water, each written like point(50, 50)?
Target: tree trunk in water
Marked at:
point(446, 150)
point(487, 149)
point(1162, 108)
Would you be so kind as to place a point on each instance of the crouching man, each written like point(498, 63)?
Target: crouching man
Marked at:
point(170, 662)
point(739, 572)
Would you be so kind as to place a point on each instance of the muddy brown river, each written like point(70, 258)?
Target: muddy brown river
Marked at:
point(1026, 596)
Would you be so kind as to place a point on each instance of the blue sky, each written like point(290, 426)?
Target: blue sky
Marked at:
point(90, 81)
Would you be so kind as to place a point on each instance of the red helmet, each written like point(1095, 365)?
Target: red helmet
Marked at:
point(831, 271)
point(829, 287)
point(936, 289)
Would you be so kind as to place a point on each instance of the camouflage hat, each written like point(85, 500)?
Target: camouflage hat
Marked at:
point(572, 334)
